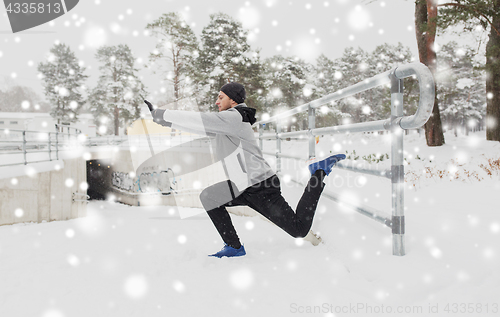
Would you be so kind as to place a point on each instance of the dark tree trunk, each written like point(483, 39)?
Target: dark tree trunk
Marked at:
point(175, 59)
point(493, 79)
point(117, 120)
point(425, 29)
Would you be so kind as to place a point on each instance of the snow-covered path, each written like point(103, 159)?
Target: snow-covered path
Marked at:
point(141, 261)
point(144, 261)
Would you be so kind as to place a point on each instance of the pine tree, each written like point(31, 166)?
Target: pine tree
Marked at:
point(386, 57)
point(63, 79)
point(328, 80)
point(287, 86)
point(485, 13)
point(12, 99)
point(225, 55)
point(355, 66)
point(460, 86)
point(119, 89)
point(352, 68)
point(176, 47)
point(327, 76)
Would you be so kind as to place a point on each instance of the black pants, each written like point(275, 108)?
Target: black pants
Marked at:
point(265, 198)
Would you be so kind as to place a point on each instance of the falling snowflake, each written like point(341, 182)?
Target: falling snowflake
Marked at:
point(69, 182)
point(299, 242)
point(359, 18)
point(73, 260)
point(70, 233)
point(241, 279)
point(179, 286)
point(136, 286)
point(182, 239)
point(436, 252)
point(249, 225)
point(19, 212)
point(495, 227)
point(95, 36)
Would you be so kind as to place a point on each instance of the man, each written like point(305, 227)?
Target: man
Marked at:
point(250, 180)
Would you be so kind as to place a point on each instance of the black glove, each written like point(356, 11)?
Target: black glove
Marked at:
point(158, 117)
point(150, 105)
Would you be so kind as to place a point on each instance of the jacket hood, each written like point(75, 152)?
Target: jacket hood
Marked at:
point(247, 113)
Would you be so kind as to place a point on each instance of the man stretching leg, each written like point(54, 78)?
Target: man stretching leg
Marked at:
point(250, 180)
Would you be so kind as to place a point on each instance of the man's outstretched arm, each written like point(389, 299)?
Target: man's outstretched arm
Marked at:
point(225, 122)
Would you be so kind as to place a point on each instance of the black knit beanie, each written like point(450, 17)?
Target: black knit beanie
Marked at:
point(234, 91)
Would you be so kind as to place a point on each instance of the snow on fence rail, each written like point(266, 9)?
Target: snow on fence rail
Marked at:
point(396, 124)
point(20, 147)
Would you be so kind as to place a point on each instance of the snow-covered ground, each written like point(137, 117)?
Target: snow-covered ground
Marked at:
point(145, 261)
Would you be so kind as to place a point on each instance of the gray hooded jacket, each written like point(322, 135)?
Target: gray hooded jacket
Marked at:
point(236, 146)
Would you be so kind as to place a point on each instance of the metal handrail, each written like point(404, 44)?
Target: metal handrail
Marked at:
point(424, 110)
point(340, 94)
point(368, 211)
point(54, 143)
point(87, 197)
point(27, 145)
point(427, 94)
point(396, 123)
point(382, 173)
point(63, 126)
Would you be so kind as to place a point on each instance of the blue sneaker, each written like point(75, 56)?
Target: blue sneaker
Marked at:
point(326, 164)
point(230, 252)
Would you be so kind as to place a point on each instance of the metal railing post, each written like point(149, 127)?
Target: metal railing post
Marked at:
point(278, 147)
point(261, 130)
point(312, 124)
point(57, 144)
point(24, 148)
point(50, 150)
point(397, 124)
point(397, 167)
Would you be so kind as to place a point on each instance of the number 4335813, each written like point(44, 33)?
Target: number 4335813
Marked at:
point(34, 8)
point(476, 308)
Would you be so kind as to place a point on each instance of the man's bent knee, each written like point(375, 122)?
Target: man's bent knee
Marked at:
point(205, 200)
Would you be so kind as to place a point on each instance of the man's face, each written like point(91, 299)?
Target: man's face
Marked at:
point(224, 102)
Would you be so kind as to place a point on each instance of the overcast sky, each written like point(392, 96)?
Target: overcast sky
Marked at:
point(293, 28)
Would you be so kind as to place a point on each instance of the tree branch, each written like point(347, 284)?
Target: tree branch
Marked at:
point(468, 7)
